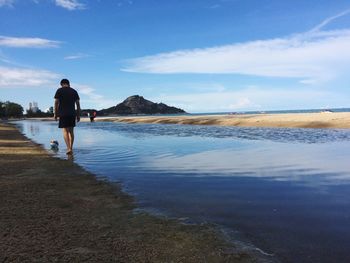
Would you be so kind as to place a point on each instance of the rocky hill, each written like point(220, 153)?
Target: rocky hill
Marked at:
point(138, 105)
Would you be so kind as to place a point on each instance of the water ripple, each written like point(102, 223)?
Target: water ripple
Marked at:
point(300, 135)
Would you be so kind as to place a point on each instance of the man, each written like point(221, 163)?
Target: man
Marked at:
point(65, 100)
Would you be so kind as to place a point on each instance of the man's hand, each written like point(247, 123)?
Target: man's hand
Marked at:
point(78, 118)
point(55, 117)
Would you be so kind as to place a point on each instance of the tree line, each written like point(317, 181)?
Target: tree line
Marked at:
point(10, 109)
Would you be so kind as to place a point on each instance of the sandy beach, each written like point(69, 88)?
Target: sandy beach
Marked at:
point(53, 210)
point(295, 120)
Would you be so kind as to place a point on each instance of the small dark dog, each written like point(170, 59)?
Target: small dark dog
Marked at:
point(54, 145)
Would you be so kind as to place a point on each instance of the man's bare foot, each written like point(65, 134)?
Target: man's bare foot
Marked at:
point(69, 152)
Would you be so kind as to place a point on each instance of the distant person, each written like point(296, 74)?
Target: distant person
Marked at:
point(91, 117)
point(65, 100)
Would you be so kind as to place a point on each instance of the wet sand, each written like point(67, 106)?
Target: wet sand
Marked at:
point(53, 210)
point(289, 120)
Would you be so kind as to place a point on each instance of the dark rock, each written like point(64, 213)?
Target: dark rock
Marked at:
point(138, 105)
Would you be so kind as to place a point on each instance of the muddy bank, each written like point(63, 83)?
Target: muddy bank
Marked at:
point(53, 210)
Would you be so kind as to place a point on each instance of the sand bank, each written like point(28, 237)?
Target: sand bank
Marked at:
point(295, 120)
point(53, 210)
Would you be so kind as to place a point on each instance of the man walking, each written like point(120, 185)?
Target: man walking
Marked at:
point(65, 100)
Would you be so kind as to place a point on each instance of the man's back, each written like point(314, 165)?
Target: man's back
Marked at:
point(67, 97)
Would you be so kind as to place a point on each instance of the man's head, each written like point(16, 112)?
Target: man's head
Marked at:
point(65, 83)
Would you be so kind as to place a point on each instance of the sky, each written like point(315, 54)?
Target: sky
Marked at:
point(198, 55)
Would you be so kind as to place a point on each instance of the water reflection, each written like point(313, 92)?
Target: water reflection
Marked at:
point(278, 161)
point(284, 190)
point(34, 129)
point(298, 135)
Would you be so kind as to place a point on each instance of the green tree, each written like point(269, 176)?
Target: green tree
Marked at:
point(10, 110)
point(2, 109)
point(39, 113)
point(50, 110)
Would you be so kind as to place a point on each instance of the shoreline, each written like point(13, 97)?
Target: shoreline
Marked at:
point(53, 209)
point(338, 120)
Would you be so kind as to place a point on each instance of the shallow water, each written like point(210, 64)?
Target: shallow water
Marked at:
point(285, 191)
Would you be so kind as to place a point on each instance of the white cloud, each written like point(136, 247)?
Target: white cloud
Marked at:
point(4, 59)
point(70, 4)
point(215, 6)
point(329, 19)
point(88, 95)
point(266, 163)
point(313, 56)
point(124, 2)
point(251, 98)
point(27, 42)
point(241, 103)
point(76, 56)
point(21, 77)
point(67, 4)
point(24, 78)
point(6, 3)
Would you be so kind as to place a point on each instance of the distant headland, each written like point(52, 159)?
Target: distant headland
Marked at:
point(135, 105)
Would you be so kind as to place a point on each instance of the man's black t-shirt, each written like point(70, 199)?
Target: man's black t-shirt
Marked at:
point(67, 98)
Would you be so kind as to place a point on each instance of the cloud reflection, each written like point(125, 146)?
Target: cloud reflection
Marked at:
point(276, 161)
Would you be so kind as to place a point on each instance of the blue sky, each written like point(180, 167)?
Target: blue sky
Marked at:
point(201, 55)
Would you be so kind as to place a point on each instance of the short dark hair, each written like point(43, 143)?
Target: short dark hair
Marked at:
point(64, 81)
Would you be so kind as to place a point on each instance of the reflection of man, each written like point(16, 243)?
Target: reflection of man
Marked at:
point(65, 100)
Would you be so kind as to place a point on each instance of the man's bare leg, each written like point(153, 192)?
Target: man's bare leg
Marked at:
point(68, 136)
point(71, 138)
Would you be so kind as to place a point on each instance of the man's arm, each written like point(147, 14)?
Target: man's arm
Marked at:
point(77, 102)
point(57, 102)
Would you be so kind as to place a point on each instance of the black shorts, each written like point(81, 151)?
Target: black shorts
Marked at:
point(67, 121)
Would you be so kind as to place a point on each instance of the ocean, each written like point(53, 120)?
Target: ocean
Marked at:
point(284, 192)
